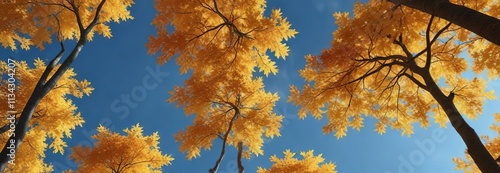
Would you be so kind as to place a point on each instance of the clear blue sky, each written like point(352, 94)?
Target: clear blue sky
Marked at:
point(117, 67)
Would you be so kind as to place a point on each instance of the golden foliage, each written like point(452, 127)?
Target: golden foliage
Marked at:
point(54, 118)
point(249, 102)
point(309, 164)
point(379, 66)
point(32, 23)
point(222, 42)
point(492, 145)
point(212, 35)
point(113, 152)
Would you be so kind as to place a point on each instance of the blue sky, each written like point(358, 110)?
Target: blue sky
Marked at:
point(118, 67)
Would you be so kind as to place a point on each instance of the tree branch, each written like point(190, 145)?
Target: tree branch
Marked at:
point(224, 141)
point(42, 88)
point(77, 15)
point(428, 44)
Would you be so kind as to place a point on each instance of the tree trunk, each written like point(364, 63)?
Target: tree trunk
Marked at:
point(43, 87)
point(45, 84)
point(483, 25)
point(240, 153)
point(475, 147)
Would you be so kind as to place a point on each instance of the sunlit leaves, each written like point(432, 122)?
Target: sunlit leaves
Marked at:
point(308, 164)
point(54, 118)
point(222, 43)
point(255, 120)
point(32, 23)
point(210, 39)
point(485, 53)
point(378, 67)
point(266, 64)
point(30, 158)
point(113, 152)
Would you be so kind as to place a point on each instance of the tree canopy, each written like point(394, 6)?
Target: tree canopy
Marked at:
point(222, 50)
point(34, 23)
point(309, 164)
point(113, 152)
point(396, 64)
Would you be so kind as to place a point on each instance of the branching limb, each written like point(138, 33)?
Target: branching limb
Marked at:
point(414, 80)
point(224, 141)
point(53, 4)
point(54, 61)
point(403, 46)
point(369, 73)
point(428, 44)
point(43, 86)
point(77, 15)
point(95, 21)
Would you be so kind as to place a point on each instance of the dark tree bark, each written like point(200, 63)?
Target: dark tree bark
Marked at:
point(483, 25)
point(226, 135)
point(240, 152)
point(475, 147)
point(44, 85)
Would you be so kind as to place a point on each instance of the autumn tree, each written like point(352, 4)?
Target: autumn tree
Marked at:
point(308, 164)
point(222, 42)
point(483, 22)
point(54, 117)
point(399, 67)
point(33, 23)
point(239, 116)
point(491, 144)
point(113, 152)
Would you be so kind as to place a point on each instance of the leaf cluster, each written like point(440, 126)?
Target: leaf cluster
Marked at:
point(33, 23)
point(309, 164)
point(132, 152)
point(54, 118)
